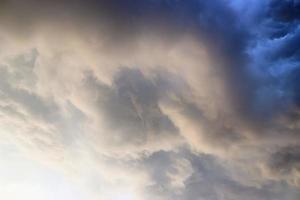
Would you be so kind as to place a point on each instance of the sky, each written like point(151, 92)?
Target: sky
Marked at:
point(150, 100)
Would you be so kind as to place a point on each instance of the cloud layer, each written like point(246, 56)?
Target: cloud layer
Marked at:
point(155, 99)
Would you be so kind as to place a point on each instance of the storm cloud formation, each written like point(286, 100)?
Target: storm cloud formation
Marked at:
point(155, 99)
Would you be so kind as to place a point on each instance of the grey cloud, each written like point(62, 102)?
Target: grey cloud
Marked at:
point(211, 181)
point(215, 131)
point(33, 120)
point(122, 23)
point(257, 63)
point(286, 162)
point(205, 179)
point(19, 73)
point(130, 108)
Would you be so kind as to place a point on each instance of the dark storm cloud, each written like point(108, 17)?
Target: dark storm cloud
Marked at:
point(256, 99)
point(257, 62)
point(286, 159)
point(276, 57)
point(286, 162)
point(277, 60)
point(128, 18)
point(214, 23)
point(274, 54)
point(217, 26)
point(285, 11)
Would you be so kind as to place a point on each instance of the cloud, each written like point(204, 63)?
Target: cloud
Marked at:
point(194, 95)
point(285, 162)
point(129, 110)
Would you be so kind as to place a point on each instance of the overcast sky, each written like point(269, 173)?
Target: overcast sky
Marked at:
point(150, 99)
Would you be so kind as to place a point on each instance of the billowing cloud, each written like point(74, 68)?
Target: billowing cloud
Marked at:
point(157, 99)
